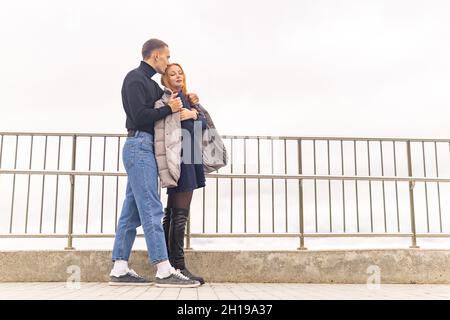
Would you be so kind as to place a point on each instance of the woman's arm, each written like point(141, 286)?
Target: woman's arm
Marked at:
point(201, 117)
point(194, 100)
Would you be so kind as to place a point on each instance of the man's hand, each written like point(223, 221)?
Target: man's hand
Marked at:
point(193, 98)
point(186, 114)
point(175, 103)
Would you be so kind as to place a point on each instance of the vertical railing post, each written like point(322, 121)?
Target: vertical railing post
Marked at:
point(300, 199)
point(411, 197)
point(72, 193)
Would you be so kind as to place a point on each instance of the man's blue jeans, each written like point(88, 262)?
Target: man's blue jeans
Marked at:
point(142, 205)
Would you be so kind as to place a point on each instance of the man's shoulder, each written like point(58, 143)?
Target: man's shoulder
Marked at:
point(137, 76)
point(134, 75)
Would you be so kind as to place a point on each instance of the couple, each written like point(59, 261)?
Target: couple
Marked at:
point(166, 136)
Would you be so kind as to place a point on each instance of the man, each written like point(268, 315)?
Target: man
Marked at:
point(142, 205)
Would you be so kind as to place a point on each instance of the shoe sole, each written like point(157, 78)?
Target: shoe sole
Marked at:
point(177, 285)
point(129, 283)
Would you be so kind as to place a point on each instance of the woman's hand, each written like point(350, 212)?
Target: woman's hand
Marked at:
point(194, 113)
point(186, 114)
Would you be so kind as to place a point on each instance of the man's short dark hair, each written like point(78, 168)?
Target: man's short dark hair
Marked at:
point(150, 46)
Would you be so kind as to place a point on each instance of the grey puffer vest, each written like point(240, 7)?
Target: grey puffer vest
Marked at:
point(168, 145)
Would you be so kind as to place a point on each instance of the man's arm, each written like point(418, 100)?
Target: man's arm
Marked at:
point(139, 113)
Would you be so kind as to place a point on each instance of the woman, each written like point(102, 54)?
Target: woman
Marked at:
point(180, 164)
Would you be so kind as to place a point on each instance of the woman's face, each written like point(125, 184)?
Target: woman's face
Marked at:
point(176, 77)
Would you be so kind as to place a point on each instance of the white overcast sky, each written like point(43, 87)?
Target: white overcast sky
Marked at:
point(303, 68)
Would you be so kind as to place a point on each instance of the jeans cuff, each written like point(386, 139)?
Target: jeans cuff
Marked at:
point(158, 261)
point(119, 258)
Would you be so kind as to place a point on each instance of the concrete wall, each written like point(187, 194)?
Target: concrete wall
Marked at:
point(330, 266)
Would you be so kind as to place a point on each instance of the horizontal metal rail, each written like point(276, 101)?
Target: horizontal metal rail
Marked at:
point(235, 176)
point(305, 187)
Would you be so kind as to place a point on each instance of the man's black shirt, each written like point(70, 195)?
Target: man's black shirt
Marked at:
point(139, 94)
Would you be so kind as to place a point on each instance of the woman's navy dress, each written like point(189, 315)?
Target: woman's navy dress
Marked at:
point(191, 176)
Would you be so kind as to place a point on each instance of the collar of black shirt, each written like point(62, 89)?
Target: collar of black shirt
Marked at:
point(147, 69)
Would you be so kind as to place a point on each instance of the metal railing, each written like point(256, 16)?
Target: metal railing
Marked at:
point(296, 187)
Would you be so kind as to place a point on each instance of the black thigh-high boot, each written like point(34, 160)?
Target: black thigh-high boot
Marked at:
point(166, 225)
point(176, 242)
